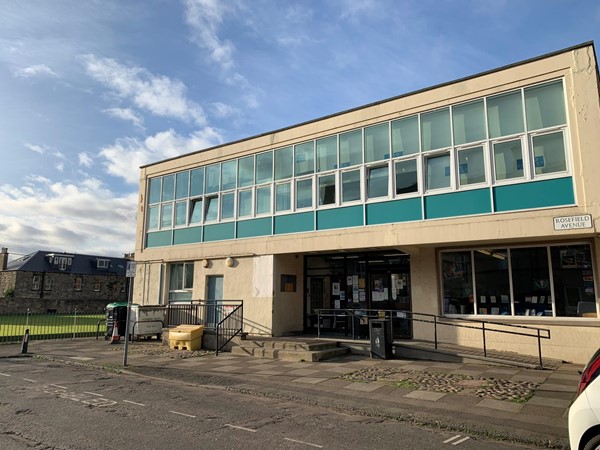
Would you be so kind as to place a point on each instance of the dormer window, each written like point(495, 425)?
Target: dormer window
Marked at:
point(103, 263)
point(62, 262)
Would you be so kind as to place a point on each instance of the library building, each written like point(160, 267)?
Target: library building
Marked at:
point(474, 200)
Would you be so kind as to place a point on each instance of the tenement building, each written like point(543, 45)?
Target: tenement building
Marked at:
point(476, 199)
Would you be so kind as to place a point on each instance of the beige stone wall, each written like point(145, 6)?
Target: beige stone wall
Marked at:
point(288, 309)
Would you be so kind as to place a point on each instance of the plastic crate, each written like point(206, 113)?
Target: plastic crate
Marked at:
point(186, 332)
point(194, 344)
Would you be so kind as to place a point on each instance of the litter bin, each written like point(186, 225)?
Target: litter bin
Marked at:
point(116, 314)
point(380, 331)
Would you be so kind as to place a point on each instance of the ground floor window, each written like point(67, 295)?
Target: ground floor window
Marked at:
point(181, 281)
point(552, 280)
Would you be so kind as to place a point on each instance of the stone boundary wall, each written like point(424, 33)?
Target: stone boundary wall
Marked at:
point(44, 306)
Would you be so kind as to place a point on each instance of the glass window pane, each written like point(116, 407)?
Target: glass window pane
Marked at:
point(246, 171)
point(211, 206)
point(245, 203)
point(166, 216)
point(573, 276)
point(189, 276)
point(377, 182)
point(351, 148)
point(327, 190)
point(228, 174)
point(264, 167)
point(212, 178)
point(327, 154)
point(168, 188)
point(227, 202)
point(505, 114)
point(283, 197)
point(284, 163)
point(180, 213)
point(182, 185)
point(492, 282)
point(457, 283)
point(549, 153)
point(351, 186)
point(263, 200)
point(406, 177)
point(377, 142)
point(405, 136)
point(196, 211)
point(508, 160)
point(531, 281)
point(468, 122)
point(304, 159)
point(175, 277)
point(471, 166)
point(153, 218)
point(154, 190)
point(435, 130)
point(197, 182)
point(545, 106)
point(304, 193)
point(438, 172)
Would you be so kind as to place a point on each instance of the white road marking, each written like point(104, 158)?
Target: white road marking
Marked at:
point(133, 403)
point(58, 386)
point(182, 414)
point(240, 428)
point(461, 441)
point(30, 380)
point(451, 439)
point(302, 442)
point(4, 374)
point(93, 393)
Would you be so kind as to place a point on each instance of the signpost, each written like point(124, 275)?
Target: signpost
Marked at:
point(130, 274)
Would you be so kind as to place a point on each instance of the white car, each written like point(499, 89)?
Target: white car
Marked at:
point(584, 413)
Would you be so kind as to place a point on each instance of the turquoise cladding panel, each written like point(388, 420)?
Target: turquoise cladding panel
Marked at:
point(351, 216)
point(159, 239)
point(219, 232)
point(540, 194)
point(254, 227)
point(463, 203)
point(187, 235)
point(295, 223)
point(396, 211)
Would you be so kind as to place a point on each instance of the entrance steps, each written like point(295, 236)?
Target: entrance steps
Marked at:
point(288, 349)
point(425, 350)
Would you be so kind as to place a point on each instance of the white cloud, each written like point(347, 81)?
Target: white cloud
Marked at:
point(59, 155)
point(124, 158)
point(205, 17)
point(41, 149)
point(157, 94)
point(85, 160)
point(38, 70)
point(60, 166)
point(126, 114)
point(83, 217)
point(223, 111)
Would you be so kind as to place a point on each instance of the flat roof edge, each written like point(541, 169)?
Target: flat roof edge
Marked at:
point(379, 102)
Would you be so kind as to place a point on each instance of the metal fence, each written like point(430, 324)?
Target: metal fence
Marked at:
point(43, 326)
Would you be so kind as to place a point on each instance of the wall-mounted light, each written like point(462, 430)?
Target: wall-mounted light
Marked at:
point(205, 263)
point(229, 262)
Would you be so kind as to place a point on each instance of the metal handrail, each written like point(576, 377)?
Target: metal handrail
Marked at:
point(537, 333)
point(235, 331)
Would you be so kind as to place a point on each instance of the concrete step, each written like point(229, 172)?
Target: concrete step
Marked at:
point(308, 345)
point(291, 355)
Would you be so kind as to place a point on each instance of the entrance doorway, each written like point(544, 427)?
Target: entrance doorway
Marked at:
point(214, 296)
point(349, 285)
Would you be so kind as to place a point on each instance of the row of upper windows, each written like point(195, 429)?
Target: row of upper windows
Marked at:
point(525, 157)
point(508, 114)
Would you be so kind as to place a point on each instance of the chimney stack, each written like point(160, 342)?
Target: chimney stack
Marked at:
point(3, 258)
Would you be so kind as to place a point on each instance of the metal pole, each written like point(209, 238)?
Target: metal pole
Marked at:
point(74, 323)
point(319, 324)
point(434, 331)
point(125, 348)
point(484, 346)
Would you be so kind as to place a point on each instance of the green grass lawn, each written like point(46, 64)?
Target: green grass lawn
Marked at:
point(48, 325)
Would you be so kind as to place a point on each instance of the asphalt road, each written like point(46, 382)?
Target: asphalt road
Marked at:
point(45, 405)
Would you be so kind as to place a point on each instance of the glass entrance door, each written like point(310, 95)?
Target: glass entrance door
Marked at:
point(391, 291)
point(214, 296)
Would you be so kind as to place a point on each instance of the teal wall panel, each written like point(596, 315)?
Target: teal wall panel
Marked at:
point(219, 232)
point(351, 216)
point(254, 227)
point(396, 211)
point(294, 223)
point(539, 194)
point(159, 239)
point(187, 235)
point(454, 204)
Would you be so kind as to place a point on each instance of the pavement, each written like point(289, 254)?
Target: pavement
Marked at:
point(487, 401)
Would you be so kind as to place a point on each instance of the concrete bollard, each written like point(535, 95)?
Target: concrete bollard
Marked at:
point(25, 341)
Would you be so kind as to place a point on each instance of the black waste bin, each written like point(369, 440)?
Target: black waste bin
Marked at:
point(116, 313)
point(381, 338)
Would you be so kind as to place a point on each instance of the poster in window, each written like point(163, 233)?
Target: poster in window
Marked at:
point(342, 296)
point(335, 289)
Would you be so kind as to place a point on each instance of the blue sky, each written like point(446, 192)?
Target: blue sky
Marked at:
point(90, 90)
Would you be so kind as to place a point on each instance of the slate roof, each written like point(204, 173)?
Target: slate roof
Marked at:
point(81, 264)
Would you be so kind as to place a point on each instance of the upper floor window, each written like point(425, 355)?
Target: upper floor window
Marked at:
point(103, 263)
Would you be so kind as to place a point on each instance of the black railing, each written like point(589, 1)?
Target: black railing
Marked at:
point(230, 326)
point(350, 317)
